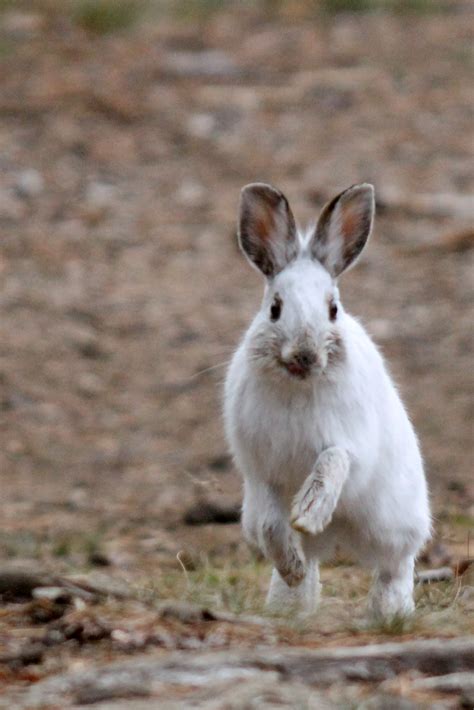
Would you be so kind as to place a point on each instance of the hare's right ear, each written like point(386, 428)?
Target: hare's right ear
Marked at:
point(343, 228)
point(267, 230)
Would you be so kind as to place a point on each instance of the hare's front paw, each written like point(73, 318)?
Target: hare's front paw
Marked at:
point(316, 501)
point(313, 506)
point(283, 550)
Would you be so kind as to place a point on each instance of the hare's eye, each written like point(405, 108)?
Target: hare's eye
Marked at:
point(275, 309)
point(332, 311)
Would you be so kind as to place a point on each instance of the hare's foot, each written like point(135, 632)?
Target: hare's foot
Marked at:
point(391, 595)
point(265, 523)
point(300, 599)
point(316, 501)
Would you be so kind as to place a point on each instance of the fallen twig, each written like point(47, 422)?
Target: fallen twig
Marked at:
point(451, 683)
point(18, 584)
point(442, 574)
point(31, 654)
point(371, 663)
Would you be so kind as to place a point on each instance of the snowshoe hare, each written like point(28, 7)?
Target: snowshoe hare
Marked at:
point(316, 426)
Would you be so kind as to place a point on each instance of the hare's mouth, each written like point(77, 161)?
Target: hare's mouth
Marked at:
point(296, 369)
point(299, 363)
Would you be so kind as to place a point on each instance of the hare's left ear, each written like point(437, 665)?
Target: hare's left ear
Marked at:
point(343, 228)
point(267, 229)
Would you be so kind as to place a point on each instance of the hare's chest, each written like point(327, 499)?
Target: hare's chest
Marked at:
point(281, 439)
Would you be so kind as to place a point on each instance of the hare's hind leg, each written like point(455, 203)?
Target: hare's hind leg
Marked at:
point(265, 522)
point(392, 589)
point(316, 501)
point(302, 599)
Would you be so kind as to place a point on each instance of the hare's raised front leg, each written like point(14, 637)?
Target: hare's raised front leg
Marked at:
point(316, 501)
point(265, 521)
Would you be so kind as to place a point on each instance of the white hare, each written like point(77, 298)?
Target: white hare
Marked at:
point(327, 452)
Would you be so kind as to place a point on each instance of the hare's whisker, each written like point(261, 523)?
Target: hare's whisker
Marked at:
point(209, 369)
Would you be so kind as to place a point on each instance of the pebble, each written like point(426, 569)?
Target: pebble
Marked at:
point(205, 63)
point(54, 594)
point(22, 24)
point(191, 193)
point(201, 125)
point(99, 200)
point(29, 183)
point(89, 384)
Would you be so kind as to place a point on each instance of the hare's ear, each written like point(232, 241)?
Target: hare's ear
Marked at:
point(343, 228)
point(267, 230)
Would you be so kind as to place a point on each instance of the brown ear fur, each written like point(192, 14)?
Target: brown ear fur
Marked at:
point(343, 228)
point(267, 230)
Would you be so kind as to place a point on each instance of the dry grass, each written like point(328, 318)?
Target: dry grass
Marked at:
point(441, 608)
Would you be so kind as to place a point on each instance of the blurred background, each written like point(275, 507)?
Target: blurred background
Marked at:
point(126, 132)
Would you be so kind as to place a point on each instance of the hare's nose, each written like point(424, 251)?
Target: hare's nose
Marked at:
point(305, 359)
point(300, 362)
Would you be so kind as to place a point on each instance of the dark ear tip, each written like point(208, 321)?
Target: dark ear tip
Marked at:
point(368, 187)
point(260, 193)
point(259, 189)
point(363, 188)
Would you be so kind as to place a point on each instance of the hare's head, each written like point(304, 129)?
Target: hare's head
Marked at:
point(298, 329)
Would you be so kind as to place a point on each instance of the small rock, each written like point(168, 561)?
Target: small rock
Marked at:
point(32, 654)
point(205, 512)
point(99, 199)
point(86, 341)
point(15, 447)
point(54, 594)
point(204, 63)
point(467, 699)
point(42, 611)
point(191, 194)
point(17, 583)
point(22, 24)
point(129, 640)
point(89, 384)
point(456, 486)
point(201, 125)
point(99, 559)
point(222, 462)
point(29, 183)
point(100, 194)
point(79, 498)
point(185, 612)
point(52, 637)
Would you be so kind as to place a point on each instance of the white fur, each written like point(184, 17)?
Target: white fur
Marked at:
point(278, 427)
